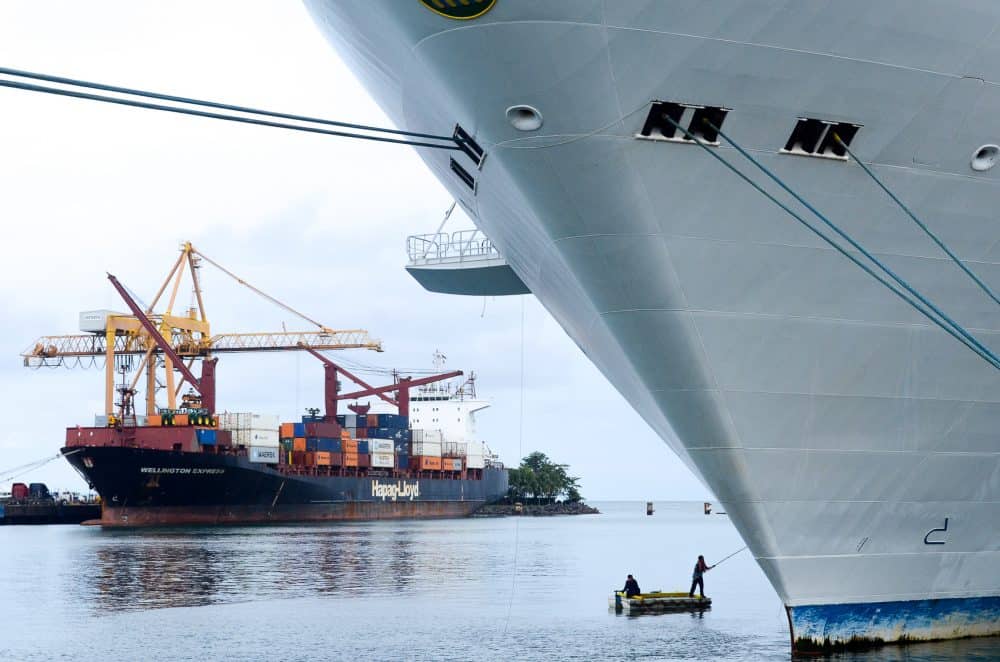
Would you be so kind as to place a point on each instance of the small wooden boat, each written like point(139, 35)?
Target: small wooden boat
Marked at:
point(656, 602)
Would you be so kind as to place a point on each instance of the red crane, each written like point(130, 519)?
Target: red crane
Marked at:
point(402, 388)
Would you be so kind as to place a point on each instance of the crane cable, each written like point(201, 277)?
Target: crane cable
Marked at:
point(973, 345)
point(983, 286)
point(446, 142)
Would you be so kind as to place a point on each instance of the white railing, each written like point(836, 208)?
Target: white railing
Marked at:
point(458, 246)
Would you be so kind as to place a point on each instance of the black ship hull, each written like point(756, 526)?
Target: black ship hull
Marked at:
point(144, 487)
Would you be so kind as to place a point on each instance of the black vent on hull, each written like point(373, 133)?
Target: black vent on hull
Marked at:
point(662, 114)
point(812, 137)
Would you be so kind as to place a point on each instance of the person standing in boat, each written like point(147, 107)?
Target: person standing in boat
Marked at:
point(700, 568)
point(631, 587)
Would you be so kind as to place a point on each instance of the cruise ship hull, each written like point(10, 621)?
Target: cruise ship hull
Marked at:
point(852, 442)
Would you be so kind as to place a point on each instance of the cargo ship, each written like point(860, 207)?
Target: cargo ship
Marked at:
point(188, 463)
point(190, 466)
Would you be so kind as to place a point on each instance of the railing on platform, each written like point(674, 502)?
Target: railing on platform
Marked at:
point(458, 246)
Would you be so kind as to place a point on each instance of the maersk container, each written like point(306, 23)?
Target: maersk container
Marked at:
point(264, 454)
point(206, 437)
point(382, 445)
point(383, 460)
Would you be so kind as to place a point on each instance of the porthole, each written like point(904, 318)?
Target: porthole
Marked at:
point(985, 158)
point(524, 118)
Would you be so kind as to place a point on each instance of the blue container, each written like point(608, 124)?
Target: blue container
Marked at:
point(393, 421)
point(402, 447)
point(312, 444)
point(403, 435)
point(341, 420)
point(363, 446)
point(206, 437)
point(313, 419)
point(300, 429)
point(326, 444)
point(382, 433)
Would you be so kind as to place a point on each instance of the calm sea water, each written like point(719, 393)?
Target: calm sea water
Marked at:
point(473, 589)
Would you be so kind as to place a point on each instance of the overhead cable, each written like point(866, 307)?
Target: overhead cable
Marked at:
point(446, 142)
point(983, 353)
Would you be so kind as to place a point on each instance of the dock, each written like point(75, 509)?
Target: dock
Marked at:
point(656, 602)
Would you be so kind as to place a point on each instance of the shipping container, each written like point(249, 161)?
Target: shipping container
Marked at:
point(323, 458)
point(264, 454)
point(350, 459)
point(382, 445)
point(299, 444)
point(371, 421)
point(299, 429)
point(96, 321)
point(425, 463)
point(347, 433)
point(416, 435)
point(364, 460)
point(427, 448)
point(403, 461)
point(257, 437)
point(350, 421)
point(363, 446)
point(154, 420)
point(361, 433)
point(206, 437)
point(451, 464)
point(287, 430)
point(322, 429)
point(310, 460)
point(433, 436)
point(349, 445)
point(330, 445)
point(299, 457)
point(181, 419)
point(383, 460)
point(19, 491)
point(401, 447)
point(475, 462)
point(264, 422)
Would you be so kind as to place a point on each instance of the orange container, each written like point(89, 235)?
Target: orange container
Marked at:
point(372, 420)
point(299, 444)
point(350, 459)
point(154, 421)
point(427, 462)
point(310, 459)
point(344, 434)
point(349, 445)
point(323, 458)
point(287, 430)
point(181, 419)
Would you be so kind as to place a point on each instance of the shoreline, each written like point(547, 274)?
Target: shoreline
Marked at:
point(536, 510)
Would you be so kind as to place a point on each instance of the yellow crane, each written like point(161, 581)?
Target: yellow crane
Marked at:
point(189, 335)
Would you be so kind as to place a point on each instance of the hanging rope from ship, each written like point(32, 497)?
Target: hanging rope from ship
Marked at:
point(75, 88)
point(902, 289)
point(15, 472)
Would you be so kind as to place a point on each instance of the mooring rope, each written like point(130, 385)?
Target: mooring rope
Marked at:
point(976, 347)
point(995, 360)
point(14, 472)
point(447, 142)
point(983, 286)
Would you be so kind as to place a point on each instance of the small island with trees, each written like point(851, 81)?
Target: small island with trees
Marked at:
point(540, 487)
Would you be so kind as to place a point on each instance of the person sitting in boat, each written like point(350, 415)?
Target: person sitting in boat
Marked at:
point(631, 587)
point(700, 568)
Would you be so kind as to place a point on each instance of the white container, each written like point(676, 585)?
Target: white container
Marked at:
point(96, 321)
point(383, 460)
point(432, 436)
point(475, 462)
point(381, 446)
point(101, 421)
point(268, 437)
point(264, 422)
point(430, 449)
point(350, 421)
point(264, 454)
point(416, 435)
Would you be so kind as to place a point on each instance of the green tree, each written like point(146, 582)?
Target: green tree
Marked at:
point(540, 480)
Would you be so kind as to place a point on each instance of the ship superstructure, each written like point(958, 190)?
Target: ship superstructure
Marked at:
point(852, 441)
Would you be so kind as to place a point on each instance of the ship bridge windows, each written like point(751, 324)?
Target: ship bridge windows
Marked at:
point(813, 137)
point(697, 120)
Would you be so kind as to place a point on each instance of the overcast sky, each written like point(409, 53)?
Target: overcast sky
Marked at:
point(321, 222)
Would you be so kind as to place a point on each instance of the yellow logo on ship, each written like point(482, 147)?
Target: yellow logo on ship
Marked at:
point(462, 10)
